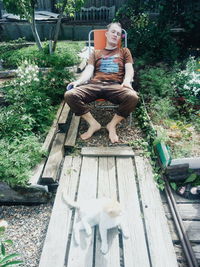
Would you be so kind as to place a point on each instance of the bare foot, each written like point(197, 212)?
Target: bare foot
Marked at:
point(91, 130)
point(112, 133)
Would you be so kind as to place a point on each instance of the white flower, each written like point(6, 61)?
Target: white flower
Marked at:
point(3, 223)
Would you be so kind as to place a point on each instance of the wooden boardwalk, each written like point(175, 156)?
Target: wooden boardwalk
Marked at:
point(102, 172)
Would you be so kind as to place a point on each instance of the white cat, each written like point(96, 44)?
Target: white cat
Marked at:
point(104, 212)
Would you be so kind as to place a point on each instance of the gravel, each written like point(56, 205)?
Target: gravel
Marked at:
point(27, 226)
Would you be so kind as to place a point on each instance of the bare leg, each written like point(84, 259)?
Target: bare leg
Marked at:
point(111, 127)
point(94, 126)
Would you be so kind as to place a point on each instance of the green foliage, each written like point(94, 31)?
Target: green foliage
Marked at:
point(25, 119)
point(53, 84)
point(23, 8)
point(27, 99)
point(65, 55)
point(147, 39)
point(5, 258)
point(5, 47)
point(70, 7)
point(14, 123)
point(162, 109)
point(156, 82)
point(17, 157)
point(153, 28)
point(187, 82)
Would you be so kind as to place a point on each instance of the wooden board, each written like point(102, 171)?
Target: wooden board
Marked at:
point(158, 235)
point(178, 198)
point(192, 228)
point(54, 160)
point(64, 114)
point(72, 132)
point(107, 151)
point(37, 172)
point(52, 132)
point(135, 247)
point(188, 211)
point(107, 187)
point(83, 255)
point(55, 244)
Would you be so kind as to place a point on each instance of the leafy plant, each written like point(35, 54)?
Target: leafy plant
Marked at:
point(18, 157)
point(187, 82)
point(66, 55)
point(147, 39)
point(161, 109)
point(7, 259)
point(156, 82)
point(26, 98)
point(53, 84)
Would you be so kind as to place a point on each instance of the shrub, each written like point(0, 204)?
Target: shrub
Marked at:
point(162, 109)
point(147, 38)
point(187, 82)
point(13, 123)
point(53, 84)
point(18, 157)
point(26, 98)
point(65, 55)
point(156, 81)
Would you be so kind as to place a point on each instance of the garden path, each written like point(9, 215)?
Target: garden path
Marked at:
point(113, 172)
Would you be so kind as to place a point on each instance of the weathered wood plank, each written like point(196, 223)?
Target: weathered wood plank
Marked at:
point(178, 198)
point(55, 244)
point(196, 248)
point(181, 256)
point(83, 255)
point(107, 151)
point(135, 247)
point(72, 132)
point(63, 117)
point(37, 172)
point(107, 188)
point(52, 132)
point(191, 227)
point(158, 235)
point(189, 211)
point(54, 160)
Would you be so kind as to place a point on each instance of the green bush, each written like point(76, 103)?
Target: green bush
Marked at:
point(13, 123)
point(65, 55)
point(12, 45)
point(156, 82)
point(147, 39)
point(26, 98)
point(53, 84)
point(18, 157)
point(187, 82)
point(162, 109)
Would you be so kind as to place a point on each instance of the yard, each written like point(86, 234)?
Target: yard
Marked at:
point(167, 78)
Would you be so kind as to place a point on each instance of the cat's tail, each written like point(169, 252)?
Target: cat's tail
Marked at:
point(70, 202)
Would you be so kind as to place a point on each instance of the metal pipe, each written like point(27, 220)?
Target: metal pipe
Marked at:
point(179, 224)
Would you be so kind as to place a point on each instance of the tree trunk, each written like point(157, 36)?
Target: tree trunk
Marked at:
point(58, 26)
point(35, 32)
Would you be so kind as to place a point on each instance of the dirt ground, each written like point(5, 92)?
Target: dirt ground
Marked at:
point(126, 132)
